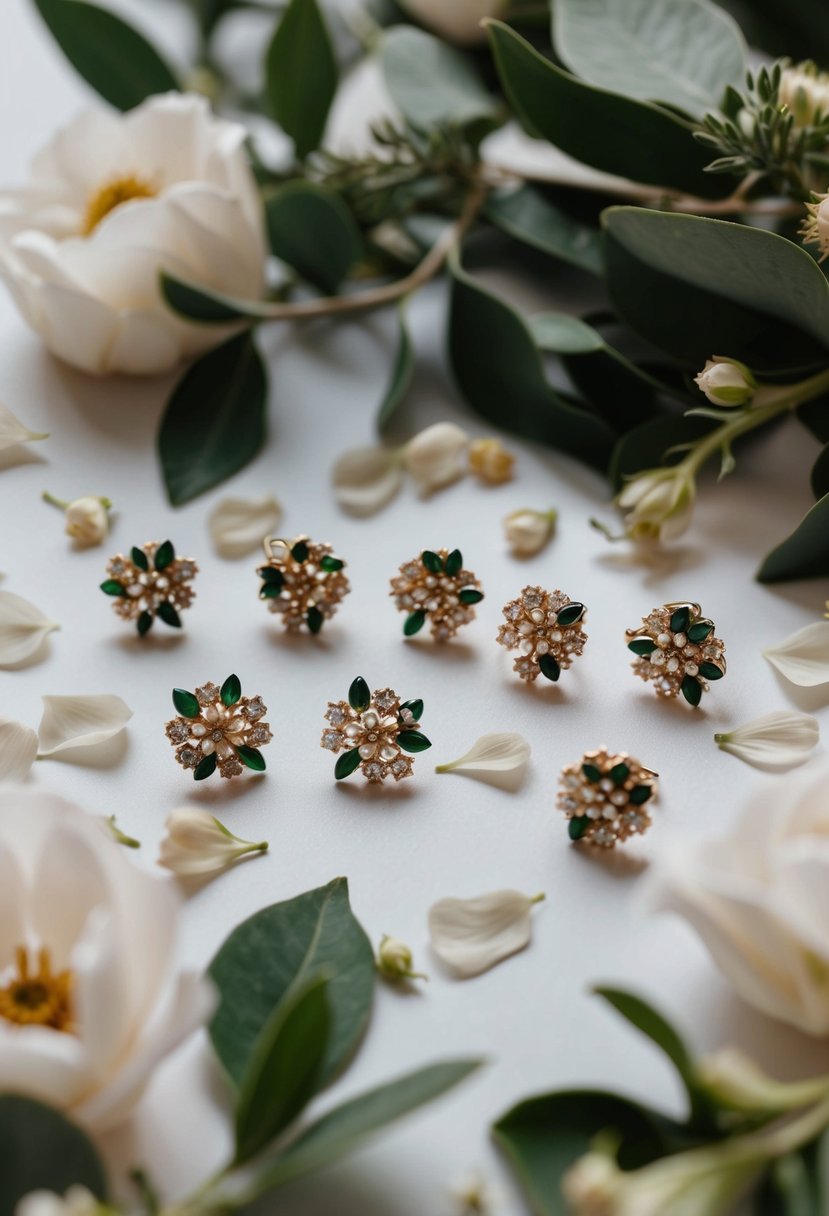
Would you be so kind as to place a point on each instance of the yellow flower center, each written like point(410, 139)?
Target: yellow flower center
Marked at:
point(113, 194)
point(37, 997)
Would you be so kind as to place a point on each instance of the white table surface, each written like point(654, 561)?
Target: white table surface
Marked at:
point(401, 848)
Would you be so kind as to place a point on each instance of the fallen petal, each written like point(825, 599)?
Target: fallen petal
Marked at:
point(13, 431)
point(197, 843)
point(18, 749)
point(23, 629)
point(500, 759)
point(239, 525)
point(81, 721)
point(803, 657)
point(471, 935)
point(779, 740)
point(365, 479)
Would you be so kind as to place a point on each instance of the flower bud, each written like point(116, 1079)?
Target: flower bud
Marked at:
point(77, 1201)
point(658, 504)
point(436, 457)
point(395, 961)
point(815, 228)
point(804, 91)
point(733, 1080)
point(490, 460)
point(528, 531)
point(726, 382)
point(472, 1195)
point(592, 1185)
point(197, 844)
point(457, 20)
point(87, 519)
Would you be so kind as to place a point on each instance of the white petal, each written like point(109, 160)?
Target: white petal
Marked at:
point(239, 525)
point(498, 759)
point(365, 479)
point(472, 935)
point(18, 749)
point(23, 629)
point(803, 657)
point(198, 843)
point(13, 431)
point(81, 721)
point(781, 740)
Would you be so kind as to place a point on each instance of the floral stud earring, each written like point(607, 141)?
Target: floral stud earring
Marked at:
point(219, 728)
point(373, 730)
point(435, 587)
point(605, 797)
point(303, 582)
point(152, 582)
point(676, 648)
point(547, 627)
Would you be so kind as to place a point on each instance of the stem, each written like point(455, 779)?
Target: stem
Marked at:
point(55, 502)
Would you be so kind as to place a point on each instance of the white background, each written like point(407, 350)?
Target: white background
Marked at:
point(401, 848)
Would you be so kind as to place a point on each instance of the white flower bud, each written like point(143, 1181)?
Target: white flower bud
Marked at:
point(592, 1185)
point(528, 531)
point(815, 228)
point(87, 518)
point(804, 91)
point(658, 504)
point(198, 844)
point(77, 1201)
point(472, 1195)
point(457, 20)
point(726, 382)
point(437, 456)
point(733, 1079)
point(395, 961)
point(490, 460)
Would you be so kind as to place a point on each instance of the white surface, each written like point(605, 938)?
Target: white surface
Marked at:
point(402, 848)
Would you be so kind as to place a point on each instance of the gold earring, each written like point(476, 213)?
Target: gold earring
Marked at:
point(606, 797)
point(677, 650)
point(303, 582)
point(435, 587)
point(152, 582)
point(547, 627)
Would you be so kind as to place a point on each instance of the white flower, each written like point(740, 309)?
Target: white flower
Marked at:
point(114, 199)
point(528, 531)
point(80, 721)
point(471, 935)
point(726, 382)
point(733, 1079)
point(18, 750)
point(815, 228)
point(23, 630)
point(657, 504)
point(805, 92)
point(87, 519)
point(803, 657)
point(77, 1201)
point(758, 899)
point(12, 430)
point(472, 1195)
point(197, 843)
point(90, 1002)
point(457, 20)
point(499, 759)
point(437, 456)
point(239, 525)
point(394, 960)
point(780, 740)
point(365, 479)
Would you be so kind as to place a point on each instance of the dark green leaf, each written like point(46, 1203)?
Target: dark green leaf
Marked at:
point(432, 84)
point(795, 1186)
point(528, 216)
point(314, 619)
point(274, 951)
point(283, 1071)
point(110, 55)
point(563, 334)
point(619, 774)
point(272, 574)
point(642, 646)
point(577, 826)
point(271, 591)
point(299, 551)
point(432, 561)
point(592, 772)
point(359, 695)
point(570, 613)
point(313, 231)
point(209, 307)
point(681, 619)
point(700, 630)
point(40, 1149)
point(231, 690)
point(186, 703)
point(164, 555)
point(650, 443)
point(169, 615)
point(454, 563)
point(413, 623)
point(820, 474)
point(691, 690)
point(144, 623)
point(711, 671)
point(413, 741)
point(252, 758)
point(205, 768)
point(331, 564)
point(414, 707)
point(804, 554)
point(640, 794)
point(401, 376)
point(301, 74)
point(111, 586)
point(139, 558)
point(346, 764)
point(470, 595)
point(550, 667)
point(214, 423)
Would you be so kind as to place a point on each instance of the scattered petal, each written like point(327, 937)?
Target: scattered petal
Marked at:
point(13, 431)
point(471, 935)
point(18, 750)
point(239, 525)
point(23, 629)
point(497, 759)
point(81, 721)
point(365, 479)
point(198, 844)
point(803, 657)
point(779, 740)
point(437, 456)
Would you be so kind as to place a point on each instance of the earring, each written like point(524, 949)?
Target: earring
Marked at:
point(152, 582)
point(219, 728)
point(605, 797)
point(303, 581)
point(435, 587)
point(373, 730)
point(547, 627)
point(676, 648)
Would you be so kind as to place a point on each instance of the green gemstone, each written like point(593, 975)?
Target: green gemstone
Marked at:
point(454, 563)
point(113, 587)
point(270, 591)
point(577, 826)
point(414, 623)
point(413, 741)
point(691, 690)
point(415, 708)
point(640, 794)
point(139, 558)
point(205, 768)
point(681, 619)
point(470, 595)
point(570, 613)
point(169, 615)
point(347, 763)
point(700, 630)
point(550, 667)
point(314, 619)
point(592, 773)
point(144, 623)
point(431, 561)
point(187, 703)
point(231, 690)
point(359, 697)
point(164, 555)
point(619, 774)
point(271, 575)
point(642, 646)
point(331, 564)
point(252, 757)
point(300, 551)
point(711, 671)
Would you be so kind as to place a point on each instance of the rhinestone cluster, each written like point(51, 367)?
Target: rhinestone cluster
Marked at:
point(372, 731)
point(152, 582)
point(303, 582)
point(219, 728)
point(435, 587)
point(547, 627)
point(677, 650)
point(605, 797)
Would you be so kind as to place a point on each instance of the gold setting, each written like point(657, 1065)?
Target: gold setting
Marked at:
point(677, 651)
point(303, 582)
point(606, 797)
point(435, 587)
point(372, 731)
point(548, 629)
point(218, 728)
point(152, 582)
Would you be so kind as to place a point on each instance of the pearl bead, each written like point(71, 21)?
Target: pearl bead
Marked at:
point(664, 639)
point(680, 640)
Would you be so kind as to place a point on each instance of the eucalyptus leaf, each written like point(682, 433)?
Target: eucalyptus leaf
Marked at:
point(278, 948)
point(312, 230)
point(650, 444)
point(820, 474)
point(40, 1149)
point(401, 376)
point(209, 307)
point(804, 554)
point(564, 334)
point(301, 74)
point(432, 84)
point(528, 216)
point(117, 61)
point(214, 423)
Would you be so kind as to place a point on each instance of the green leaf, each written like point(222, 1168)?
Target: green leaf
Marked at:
point(144, 623)
point(139, 558)
point(301, 74)
point(271, 591)
point(413, 741)
point(165, 554)
point(642, 646)
point(619, 774)
point(570, 614)
point(432, 84)
point(563, 334)
point(550, 667)
point(402, 373)
point(205, 768)
point(820, 474)
point(633, 139)
point(691, 690)
point(415, 708)
point(313, 231)
point(432, 561)
point(186, 703)
point(347, 764)
point(359, 696)
point(649, 445)
point(331, 564)
point(111, 586)
point(681, 619)
point(231, 690)
point(527, 216)
point(283, 1071)
point(344, 1128)
point(640, 794)
point(413, 623)
point(111, 56)
point(214, 424)
point(169, 615)
point(577, 826)
point(795, 1185)
point(276, 949)
point(300, 551)
point(500, 373)
point(711, 671)
point(454, 563)
point(700, 630)
point(252, 758)
point(804, 554)
point(470, 595)
point(683, 52)
point(314, 619)
point(592, 772)
point(206, 306)
point(40, 1149)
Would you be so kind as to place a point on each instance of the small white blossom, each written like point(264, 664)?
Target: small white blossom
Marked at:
point(395, 961)
point(197, 843)
point(472, 1195)
point(726, 382)
point(804, 91)
point(657, 504)
point(528, 531)
point(437, 456)
point(77, 1201)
